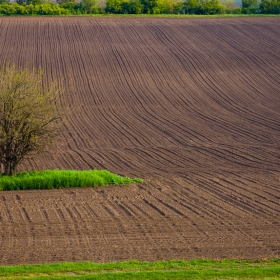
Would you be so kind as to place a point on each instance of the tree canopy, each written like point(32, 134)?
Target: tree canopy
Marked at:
point(201, 7)
point(30, 115)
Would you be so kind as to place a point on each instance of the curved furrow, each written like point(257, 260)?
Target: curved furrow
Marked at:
point(244, 192)
point(215, 189)
point(186, 205)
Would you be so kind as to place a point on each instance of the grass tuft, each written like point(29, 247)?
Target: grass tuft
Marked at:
point(56, 179)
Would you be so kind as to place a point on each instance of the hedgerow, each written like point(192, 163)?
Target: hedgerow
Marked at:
point(203, 7)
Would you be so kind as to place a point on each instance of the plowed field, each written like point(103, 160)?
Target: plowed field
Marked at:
point(192, 106)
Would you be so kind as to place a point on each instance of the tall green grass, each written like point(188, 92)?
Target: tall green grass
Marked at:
point(54, 179)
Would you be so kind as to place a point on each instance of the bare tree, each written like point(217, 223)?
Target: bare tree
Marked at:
point(30, 116)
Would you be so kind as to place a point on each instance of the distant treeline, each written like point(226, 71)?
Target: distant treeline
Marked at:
point(193, 7)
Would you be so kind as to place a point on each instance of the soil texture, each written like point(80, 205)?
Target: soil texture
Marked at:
point(192, 106)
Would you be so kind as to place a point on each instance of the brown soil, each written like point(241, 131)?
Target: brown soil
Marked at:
point(190, 105)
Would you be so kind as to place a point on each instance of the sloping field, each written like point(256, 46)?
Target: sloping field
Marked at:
point(192, 106)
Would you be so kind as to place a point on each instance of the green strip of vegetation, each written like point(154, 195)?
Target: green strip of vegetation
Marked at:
point(184, 16)
point(199, 269)
point(132, 7)
point(56, 179)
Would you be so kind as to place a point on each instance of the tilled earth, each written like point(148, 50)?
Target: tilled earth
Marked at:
point(189, 105)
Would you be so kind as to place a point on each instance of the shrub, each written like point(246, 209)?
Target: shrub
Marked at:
point(191, 7)
point(270, 7)
point(211, 7)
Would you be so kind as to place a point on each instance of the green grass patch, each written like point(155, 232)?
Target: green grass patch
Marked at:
point(199, 269)
point(55, 179)
point(151, 15)
point(185, 15)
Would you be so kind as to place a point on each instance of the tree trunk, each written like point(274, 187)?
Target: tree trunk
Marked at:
point(9, 168)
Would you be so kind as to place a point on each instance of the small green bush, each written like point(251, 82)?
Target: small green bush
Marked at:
point(54, 179)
